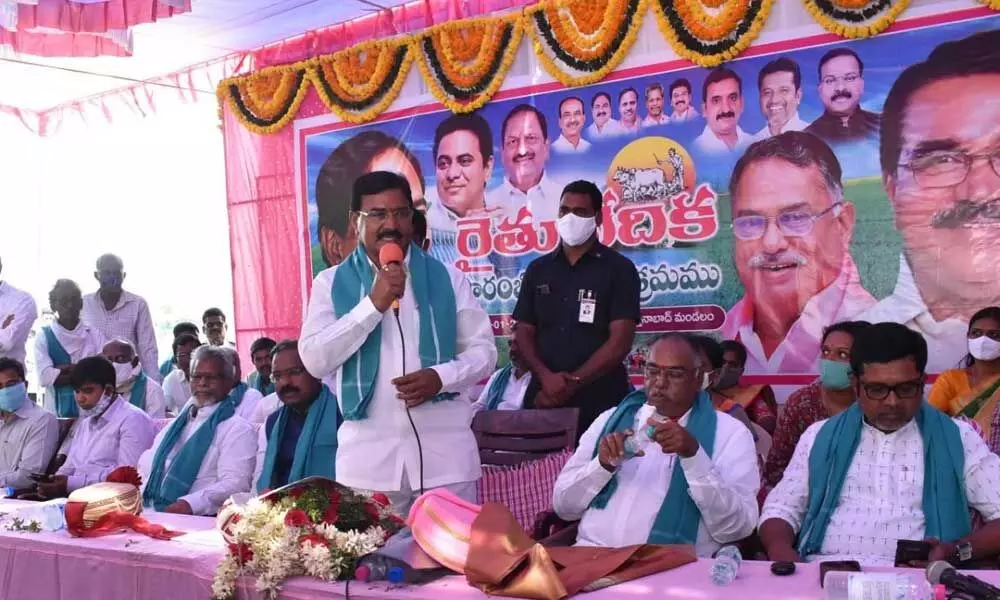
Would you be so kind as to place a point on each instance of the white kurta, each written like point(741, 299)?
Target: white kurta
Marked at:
point(513, 396)
point(723, 486)
point(226, 469)
point(20, 305)
point(80, 343)
point(102, 444)
point(373, 452)
point(176, 390)
point(155, 400)
point(882, 498)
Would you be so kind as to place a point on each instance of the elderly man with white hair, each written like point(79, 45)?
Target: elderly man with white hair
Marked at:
point(132, 383)
point(208, 453)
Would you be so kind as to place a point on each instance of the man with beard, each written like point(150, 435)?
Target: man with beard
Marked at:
point(132, 383)
point(940, 155)
point(403, 341)
point(628, 101)
point(603, 126)
point(524, 143)
point(571, 120)
point(654, 106)
point(694, 479)
point(363, 153)
point(505, 388)
point(213, 324)
point(841, 83)
point(680, 100)
point(792, 231)
point(780, 85)
point(298, 440)
point(722, 105)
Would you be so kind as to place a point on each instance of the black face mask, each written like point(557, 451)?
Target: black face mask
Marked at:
point(728, 377)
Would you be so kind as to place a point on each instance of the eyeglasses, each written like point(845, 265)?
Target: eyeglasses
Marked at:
point(831, 80)
point(207, 378)
point(906, 390)
point(511, 143)
point(294, 372)
point(947, 168)
point(654, 372)
point(993, 334)
point(793, 223)
point(381, 215)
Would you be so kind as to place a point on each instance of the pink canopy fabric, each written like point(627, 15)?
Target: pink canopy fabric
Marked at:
point(89, 16)
point(61, 43)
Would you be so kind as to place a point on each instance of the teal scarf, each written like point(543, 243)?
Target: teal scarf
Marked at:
point(946, 507)
point(65, 399)
point(167, 366)
point(258, 384)
point(677, 521)
point(236, 395)
point(316, 450)
point(138, 395)
point(164, 486)
point(498, 387)
point(436, 308)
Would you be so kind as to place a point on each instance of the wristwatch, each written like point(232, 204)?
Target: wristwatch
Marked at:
point(964, 552)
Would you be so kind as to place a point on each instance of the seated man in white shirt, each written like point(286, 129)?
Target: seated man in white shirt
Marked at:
point(62, 344)
point(133, 384)
point(28, 434)
point(406, 426)
point(208, 452)
point(176, 385)
point(109, 433)
point(245, 398)
point(505, 389)
point(693, 481)
point(891, 467)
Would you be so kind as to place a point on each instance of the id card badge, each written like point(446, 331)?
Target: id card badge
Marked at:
point(588, 308)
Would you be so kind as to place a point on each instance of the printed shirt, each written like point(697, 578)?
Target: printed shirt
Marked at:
point(723, 486)
point(373, 452)
point(882, 498)
point(799, 352)
point(129, 320)
point(802, 409)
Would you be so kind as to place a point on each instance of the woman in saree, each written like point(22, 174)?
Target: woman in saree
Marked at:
point(973, 391)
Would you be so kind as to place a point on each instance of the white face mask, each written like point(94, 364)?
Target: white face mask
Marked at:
point(984, 348)
point(575, 230)
point(125, 373)
point(99, 408)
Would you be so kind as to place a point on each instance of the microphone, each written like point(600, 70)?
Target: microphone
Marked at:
point(388, 254)
point(941, 572)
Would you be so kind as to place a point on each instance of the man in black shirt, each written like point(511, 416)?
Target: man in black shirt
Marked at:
point(841, 83)
point(577, 313)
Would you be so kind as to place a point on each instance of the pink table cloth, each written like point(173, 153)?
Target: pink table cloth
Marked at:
point(56, 566)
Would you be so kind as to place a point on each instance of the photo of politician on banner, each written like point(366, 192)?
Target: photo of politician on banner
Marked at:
point(761, 200)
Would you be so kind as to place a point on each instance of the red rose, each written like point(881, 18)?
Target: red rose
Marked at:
point(372, 511)
point(242, 552)
point(125, 475)
point(313, 538)
point(296, 493)
point(297, 518)
point(235, 518)
point(332, 514)
point(381, 499)
point(335, 496)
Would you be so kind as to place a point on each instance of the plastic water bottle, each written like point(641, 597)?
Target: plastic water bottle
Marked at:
point(377, 568)
point(644, 435)
point(727, 564)
point(843, 585)
point(8, 492)
point(49, 515)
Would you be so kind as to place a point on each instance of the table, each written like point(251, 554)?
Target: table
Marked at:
point(57, 566)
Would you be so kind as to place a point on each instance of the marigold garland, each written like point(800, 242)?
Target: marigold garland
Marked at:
point(464, 86)
point(359, 104)
point(708, 27)
point(870, 19)
point(590, 58)
point(708, 53)
point(268, 100)
point(994, 4)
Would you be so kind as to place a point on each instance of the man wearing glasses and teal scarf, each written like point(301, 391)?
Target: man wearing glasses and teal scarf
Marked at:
point(891, 467)
point(399, 372)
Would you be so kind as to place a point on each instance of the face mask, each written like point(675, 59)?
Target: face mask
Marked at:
point(575, 230)
point(728, 378)
point(706, 380)
point(984, 348)
point(111, 280)
point(125, 373)
point(834, 375)
point(98, 409)
point(12, 397)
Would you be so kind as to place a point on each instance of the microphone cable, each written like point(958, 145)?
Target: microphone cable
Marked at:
point(420, 449)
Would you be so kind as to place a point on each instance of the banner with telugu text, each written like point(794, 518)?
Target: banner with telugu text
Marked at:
point(897, 229)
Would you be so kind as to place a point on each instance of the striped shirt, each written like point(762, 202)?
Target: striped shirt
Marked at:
point(130, 320)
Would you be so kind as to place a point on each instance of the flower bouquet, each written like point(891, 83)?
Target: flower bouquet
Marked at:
point(312, 527)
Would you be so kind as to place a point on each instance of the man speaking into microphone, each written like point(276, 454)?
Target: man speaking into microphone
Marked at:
point(399, 368)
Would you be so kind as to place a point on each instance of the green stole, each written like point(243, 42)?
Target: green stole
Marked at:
point(316, 448)
point(945, 505)
point(677, 521)
point(65, 400)
point(137, 397)
point(435, 298)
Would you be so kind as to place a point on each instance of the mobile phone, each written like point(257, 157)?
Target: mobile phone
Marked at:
point(851, 566)
point(40, 477)
point(908, 551)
